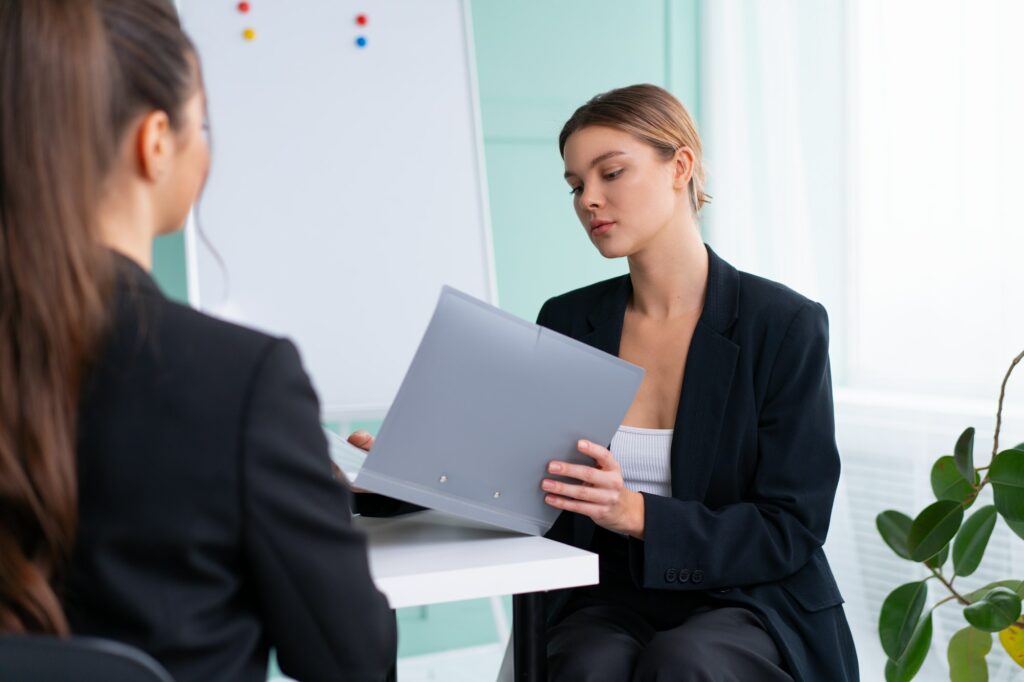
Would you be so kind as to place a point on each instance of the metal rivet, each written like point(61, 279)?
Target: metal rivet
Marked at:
point(497, 494)
point(443, 479)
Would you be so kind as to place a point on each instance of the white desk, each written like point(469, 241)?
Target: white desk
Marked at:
point(429, 557)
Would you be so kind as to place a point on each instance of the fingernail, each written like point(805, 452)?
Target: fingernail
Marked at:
point(547, 485)
point(583, 444)
point(554, 467)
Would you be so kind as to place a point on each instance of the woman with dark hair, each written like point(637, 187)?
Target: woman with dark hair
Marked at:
point(710, 507)
point(164, 480)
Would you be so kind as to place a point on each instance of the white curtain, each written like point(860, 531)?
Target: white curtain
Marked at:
point(938, 235)
point(773, 117)
point(870, 154)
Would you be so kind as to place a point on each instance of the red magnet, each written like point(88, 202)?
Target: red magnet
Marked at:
point(362, 19)
point(243, 7)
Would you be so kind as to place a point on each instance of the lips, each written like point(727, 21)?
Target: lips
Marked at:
point(600, 226)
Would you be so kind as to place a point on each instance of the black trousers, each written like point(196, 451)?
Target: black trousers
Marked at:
point(610, 642)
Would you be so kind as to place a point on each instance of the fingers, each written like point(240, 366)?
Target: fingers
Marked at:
point(600, 496)
point(362, 440)
point(601, 455)
point(583, 472)
point(605, 473)
point(585, 508)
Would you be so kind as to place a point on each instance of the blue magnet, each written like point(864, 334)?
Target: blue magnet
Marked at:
point(361, 41)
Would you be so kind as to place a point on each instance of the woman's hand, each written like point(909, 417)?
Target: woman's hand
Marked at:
point(363, 441)
point(602, 496)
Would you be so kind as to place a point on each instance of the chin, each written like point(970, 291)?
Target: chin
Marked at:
point(609, 249)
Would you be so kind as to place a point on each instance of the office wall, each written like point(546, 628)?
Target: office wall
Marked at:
point(536, 62)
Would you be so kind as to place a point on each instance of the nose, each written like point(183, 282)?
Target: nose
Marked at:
point(591, 197)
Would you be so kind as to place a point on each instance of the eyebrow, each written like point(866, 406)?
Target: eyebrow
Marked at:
point(597, 160)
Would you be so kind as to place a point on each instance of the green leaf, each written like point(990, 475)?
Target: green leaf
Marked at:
point(894, 526)
point(963, 453)
point(1015, 585)
point(966, 655)
point(901, 611)
point(996, 610)
point(934, 528)
point(904, 669)
point(971, 541)
point(1007, 476)
point(939, 559)
point(1017, 527)
point(947, 483)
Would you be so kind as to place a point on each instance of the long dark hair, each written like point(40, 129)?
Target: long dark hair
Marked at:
point(73, 75)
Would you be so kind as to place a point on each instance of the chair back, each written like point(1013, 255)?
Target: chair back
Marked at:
point(39, 658)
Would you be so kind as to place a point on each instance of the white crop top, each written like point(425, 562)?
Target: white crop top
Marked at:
point(643, 455)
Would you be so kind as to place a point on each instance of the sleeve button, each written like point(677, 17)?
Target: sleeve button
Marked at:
point(698, 577)
point(670, 575)
point(684, 575)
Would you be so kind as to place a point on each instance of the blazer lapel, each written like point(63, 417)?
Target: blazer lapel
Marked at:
point(606, 318)
point(710, 365)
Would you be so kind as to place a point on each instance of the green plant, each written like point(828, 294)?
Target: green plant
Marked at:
point(905, 625)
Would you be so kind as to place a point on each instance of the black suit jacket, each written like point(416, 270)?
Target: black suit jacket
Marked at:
point(210, 527)
point(754, 462)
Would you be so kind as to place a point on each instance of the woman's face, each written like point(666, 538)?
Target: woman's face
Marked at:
point(624, 194)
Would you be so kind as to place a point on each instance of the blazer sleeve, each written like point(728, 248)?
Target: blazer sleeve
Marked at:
point(309, 564)
point(785, 514)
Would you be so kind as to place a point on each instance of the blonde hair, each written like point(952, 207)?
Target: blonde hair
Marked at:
point(652, 115)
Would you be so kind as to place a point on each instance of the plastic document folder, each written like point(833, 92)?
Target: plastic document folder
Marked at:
point(487, 402)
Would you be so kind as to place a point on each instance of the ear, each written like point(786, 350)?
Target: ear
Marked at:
point(682, 168)
point(154, 145)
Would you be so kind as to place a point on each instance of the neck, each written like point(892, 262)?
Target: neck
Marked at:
point(670, 274)
point(125, 227)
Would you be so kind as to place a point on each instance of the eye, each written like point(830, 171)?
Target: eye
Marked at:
point(575, 190)
point(613, 174)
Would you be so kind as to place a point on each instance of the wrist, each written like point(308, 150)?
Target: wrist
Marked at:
point(637, 516)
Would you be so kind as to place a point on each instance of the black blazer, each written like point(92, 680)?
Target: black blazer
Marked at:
point(754, 463)
point(210, 527)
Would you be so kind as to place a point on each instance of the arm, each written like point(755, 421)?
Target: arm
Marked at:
point(788, 503)
point(308, 563)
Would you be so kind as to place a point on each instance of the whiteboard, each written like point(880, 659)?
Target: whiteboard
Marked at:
point(347, 183)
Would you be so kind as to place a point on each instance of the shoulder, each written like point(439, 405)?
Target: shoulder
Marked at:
point(565, 308)
point(185, 342)
point(774, 307)
point(215, 333)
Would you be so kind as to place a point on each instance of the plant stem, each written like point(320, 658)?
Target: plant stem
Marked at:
point(977, 491)
point(999, 412)
point(949, 586)
point(943, 601)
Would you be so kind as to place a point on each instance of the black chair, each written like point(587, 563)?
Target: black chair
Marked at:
point(37, 658)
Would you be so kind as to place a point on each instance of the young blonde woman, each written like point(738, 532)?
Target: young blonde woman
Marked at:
point(710, 507)
point(164, 480)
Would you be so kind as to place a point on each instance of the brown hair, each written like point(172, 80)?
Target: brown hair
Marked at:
point(73, 73)
point(652, 115)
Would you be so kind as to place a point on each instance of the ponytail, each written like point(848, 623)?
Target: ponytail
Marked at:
point(71, 78)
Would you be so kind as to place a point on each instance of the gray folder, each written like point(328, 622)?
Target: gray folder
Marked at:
point(487, 402)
